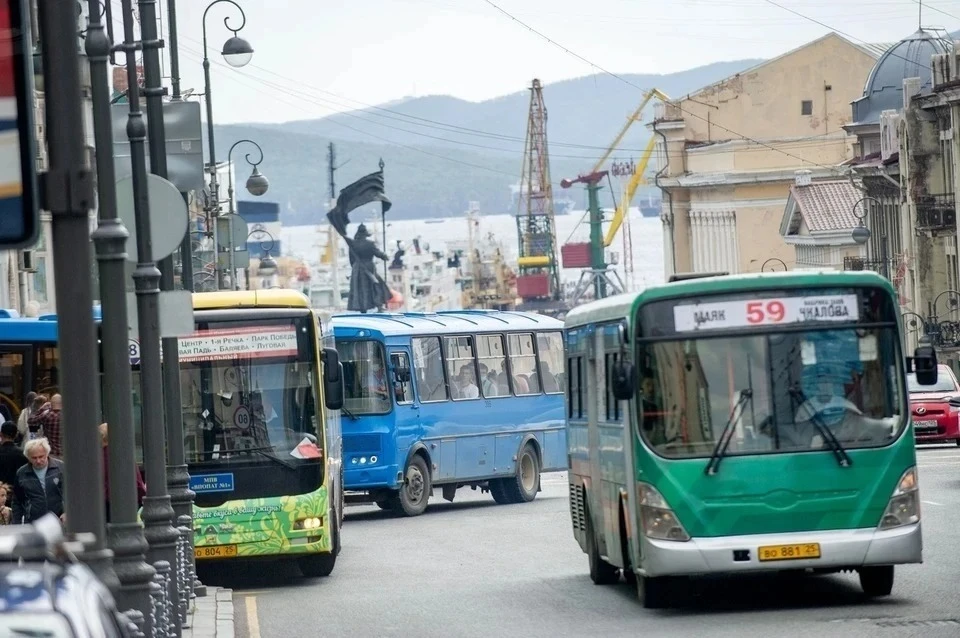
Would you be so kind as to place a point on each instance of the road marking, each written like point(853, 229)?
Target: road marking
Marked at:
point(932, 503)
point(253, 623)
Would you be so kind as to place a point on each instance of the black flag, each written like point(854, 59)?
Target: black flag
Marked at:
point(363, 191)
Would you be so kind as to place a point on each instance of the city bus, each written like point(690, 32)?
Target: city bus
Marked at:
point(450, 399)
point(745, 423)
point(264, 460)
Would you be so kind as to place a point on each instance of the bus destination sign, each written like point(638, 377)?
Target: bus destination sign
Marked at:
point(239, 343)
point(774, 311)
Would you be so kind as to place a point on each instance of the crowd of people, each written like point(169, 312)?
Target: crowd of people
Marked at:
point(32, 473)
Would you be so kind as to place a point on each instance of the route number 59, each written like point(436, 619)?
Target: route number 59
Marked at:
point(765, 312)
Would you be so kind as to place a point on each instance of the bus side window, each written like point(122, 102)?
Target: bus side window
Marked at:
point(403, 389)
point(575, 387)
point(493, 366)
point(523, 364)
point(461, 368)
point(612, 406)
point(550, 356)
point(429, 361)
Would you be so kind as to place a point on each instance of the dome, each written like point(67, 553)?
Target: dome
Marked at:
point(909, 58)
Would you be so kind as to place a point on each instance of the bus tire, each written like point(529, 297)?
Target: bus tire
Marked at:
point(499, 492)
point(414, 494)
point(321, 565)
point(601, 572)
point(523, 487)
point(876, 580)
point(653, 593)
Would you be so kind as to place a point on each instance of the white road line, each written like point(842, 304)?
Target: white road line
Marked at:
point(253, 623)
point(932, 503)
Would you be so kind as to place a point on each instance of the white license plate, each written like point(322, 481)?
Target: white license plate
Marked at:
point(924, 425)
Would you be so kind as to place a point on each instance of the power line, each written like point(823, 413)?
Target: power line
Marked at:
point(675, 104)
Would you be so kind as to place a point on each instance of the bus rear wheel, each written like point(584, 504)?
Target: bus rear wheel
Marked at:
point(412, 498)
point(653, 593)
point(524, 485)
point(876, 581)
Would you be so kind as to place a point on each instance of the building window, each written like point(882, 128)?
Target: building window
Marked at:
point(806, 107)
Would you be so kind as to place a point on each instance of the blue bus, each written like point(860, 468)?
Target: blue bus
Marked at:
point(29, 359)
point(450, 399)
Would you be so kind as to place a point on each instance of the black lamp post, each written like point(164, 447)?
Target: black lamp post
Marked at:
point(268, 265)
point(237, 52)
point(257, 185)
point(771, 261)
point(861, 234)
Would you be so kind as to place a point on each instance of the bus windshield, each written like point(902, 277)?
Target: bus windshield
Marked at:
point(779, 391)
point(365, 387)
point(247, 390)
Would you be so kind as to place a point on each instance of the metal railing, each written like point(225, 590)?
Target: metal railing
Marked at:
point(937, 212)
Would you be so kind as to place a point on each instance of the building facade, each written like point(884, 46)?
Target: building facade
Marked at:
point(729, 153)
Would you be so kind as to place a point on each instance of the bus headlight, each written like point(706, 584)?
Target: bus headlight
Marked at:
point(904, 505)
point(656, 516)
point(308, 523)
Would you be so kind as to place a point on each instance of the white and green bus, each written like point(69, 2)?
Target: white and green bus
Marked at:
point(729, 424)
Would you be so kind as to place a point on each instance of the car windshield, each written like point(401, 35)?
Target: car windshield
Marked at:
point(944, 383)
point(777, 390)
point(34, 625)
point(365, 387)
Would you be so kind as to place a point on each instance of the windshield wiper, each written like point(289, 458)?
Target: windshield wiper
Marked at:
point(350, 414)
point(724, 441)
point(263, 451)
point(842, 457)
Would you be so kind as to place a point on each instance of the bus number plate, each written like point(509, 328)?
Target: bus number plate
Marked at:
point(789, 552)
point(216, 551)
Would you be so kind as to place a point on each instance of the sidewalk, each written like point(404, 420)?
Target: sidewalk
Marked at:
point(212, 615)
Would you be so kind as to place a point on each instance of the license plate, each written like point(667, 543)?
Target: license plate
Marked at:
point(216, 551)
point(924, 425)
point(789, 552)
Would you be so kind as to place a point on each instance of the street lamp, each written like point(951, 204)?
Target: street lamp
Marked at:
point(268, 265)
point(257, 184)
point(861, 234)
point(237, 52)
point(763, 268)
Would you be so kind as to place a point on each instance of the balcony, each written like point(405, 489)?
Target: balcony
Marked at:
point(865, 263)
point(937, 212)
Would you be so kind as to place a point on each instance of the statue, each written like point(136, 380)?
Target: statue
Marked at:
point(367, 288)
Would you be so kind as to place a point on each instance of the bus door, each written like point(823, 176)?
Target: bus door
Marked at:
point(407, 409)
point(597, 383)
point(16, 376)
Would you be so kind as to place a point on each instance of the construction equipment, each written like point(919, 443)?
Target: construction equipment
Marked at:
point(590, 256)
point(538, 277)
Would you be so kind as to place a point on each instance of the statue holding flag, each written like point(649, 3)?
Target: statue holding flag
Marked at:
point(367, 288)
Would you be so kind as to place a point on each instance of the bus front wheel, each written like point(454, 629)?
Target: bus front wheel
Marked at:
point(412, 498)
point(877, 581)
point(321, 565)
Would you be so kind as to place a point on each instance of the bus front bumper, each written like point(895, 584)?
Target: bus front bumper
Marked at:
point(837, 548)
point(371, 477)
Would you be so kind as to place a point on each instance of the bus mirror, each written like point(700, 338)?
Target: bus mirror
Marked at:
point(332, 379)
point(925, 364)
point(624, 381)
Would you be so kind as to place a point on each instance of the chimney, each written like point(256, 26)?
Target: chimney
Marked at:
point(802, 177)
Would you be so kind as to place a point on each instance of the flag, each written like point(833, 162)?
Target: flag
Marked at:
point(363, 191)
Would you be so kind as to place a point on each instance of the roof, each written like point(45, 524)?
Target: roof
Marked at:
point(445, 322)
point(271, 298)
point(823, 206)
point(875, 51)
point(609, 309)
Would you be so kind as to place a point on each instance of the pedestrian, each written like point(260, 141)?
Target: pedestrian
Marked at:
point(6, 513)
point(38, 489)
point(22, 423)
point(11, 457)
point(48, 420)
point(141, 486)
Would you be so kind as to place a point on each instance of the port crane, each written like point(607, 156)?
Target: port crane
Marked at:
point(590, 256)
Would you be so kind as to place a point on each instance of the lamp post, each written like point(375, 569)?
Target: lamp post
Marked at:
point(268, 265)
point(124, 531)
point(383, 224)
point(237, 52)
point(861, 234)
point(257, 185)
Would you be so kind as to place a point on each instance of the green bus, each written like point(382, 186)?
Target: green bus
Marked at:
point(746, 423)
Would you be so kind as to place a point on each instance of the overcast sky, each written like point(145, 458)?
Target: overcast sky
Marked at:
point(315, 57)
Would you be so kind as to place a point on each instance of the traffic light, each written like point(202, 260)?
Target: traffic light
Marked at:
point(19, 217)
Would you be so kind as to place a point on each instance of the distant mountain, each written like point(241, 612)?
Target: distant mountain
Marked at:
point(442, 152)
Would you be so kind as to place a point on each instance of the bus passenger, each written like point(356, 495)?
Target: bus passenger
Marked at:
point(549, 381)
point(653, 423)
point(467, 384)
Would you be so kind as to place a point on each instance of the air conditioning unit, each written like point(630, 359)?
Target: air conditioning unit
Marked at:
point(949, 218)
point(889, 133)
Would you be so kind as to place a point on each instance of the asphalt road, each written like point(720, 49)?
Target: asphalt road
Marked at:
point(473, 568)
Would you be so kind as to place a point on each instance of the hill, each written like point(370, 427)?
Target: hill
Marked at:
point(442, 152)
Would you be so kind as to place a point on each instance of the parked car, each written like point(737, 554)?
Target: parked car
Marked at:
point(936, 419)
point(45, 592)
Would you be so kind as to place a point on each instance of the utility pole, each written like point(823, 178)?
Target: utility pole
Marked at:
point(163, 536)
point(331, 169)
point(124, 531)
point(67, 192)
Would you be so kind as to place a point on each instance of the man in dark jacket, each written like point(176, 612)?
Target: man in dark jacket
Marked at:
point(38, 488)
point(11, 458)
